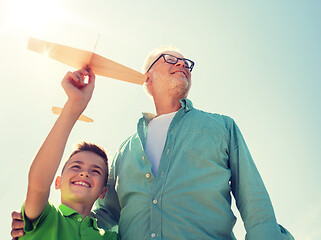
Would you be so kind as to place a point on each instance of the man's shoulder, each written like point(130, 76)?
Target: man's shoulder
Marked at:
point(227, 120)
point(128, 140)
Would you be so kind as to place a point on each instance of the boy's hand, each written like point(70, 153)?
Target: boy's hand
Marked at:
point(17, 225)
point(79, 93)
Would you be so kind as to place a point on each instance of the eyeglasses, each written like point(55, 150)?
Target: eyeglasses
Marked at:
point(173, 60)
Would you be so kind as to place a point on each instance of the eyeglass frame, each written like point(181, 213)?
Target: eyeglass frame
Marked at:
point(177, 58)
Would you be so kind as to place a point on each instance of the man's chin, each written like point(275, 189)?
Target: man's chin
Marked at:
point(180, 89)
point(180, 81)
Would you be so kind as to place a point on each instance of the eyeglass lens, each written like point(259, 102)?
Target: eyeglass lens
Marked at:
point(173, 60)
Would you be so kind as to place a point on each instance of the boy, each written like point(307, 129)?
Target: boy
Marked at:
point(83, 179)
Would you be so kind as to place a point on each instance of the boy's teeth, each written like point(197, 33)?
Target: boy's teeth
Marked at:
point(82, 183)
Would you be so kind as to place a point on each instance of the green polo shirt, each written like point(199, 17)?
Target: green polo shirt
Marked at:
point(63, 223)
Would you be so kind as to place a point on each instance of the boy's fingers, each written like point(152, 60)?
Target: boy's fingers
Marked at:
point(75, 77)
point(91, 74)
point(16, 215)
point(71, 77)
point(79, 77)
point(83, 71)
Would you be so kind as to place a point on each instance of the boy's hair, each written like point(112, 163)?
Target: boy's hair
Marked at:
point(90, 147)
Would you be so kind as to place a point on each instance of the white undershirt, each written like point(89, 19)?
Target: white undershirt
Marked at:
point(156, 137)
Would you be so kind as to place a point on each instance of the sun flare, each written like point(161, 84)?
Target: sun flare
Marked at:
point(32, 16)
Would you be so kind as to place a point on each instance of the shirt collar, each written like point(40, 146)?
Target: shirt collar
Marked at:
point(67, 212)
point(186, 104)
point(94, 222)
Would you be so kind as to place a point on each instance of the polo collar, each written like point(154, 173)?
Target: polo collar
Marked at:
point(67, 212)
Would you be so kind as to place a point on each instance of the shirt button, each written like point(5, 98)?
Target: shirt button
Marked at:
point(143, 157)
point(79, 219)
point(172, 132)
point(167, 151)
point(153, 235)
point(155, 201)
point(147, 175)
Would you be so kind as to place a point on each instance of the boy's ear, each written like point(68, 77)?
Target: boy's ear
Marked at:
point(103, 193)
point(58, 182)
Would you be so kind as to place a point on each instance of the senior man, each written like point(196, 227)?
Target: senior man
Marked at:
point(172, 179)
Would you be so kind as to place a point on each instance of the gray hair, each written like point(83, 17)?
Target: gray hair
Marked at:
point(154, 54)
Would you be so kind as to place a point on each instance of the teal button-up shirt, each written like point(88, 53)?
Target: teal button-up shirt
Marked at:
point(205, 158)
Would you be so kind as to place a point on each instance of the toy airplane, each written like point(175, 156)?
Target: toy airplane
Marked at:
point(78, 58)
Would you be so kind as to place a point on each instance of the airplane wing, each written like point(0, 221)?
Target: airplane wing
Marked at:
point(78, 58)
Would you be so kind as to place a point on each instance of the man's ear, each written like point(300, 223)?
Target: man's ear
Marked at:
point(148, 83)
point(148, 79)
point(58, 182)
point(103, 193)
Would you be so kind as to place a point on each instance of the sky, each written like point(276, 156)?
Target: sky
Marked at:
point(255, 61)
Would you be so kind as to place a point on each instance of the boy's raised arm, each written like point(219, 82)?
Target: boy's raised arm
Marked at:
point(47, 160)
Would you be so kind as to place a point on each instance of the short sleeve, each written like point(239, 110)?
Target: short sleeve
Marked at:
point(32, 225)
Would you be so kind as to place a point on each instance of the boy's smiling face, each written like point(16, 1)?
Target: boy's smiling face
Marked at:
point(83, 179)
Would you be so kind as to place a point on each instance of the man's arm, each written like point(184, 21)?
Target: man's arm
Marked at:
point(252, 198)
point(47, 160)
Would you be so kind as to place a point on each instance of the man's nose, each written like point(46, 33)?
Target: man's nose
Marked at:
point(181, 62)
